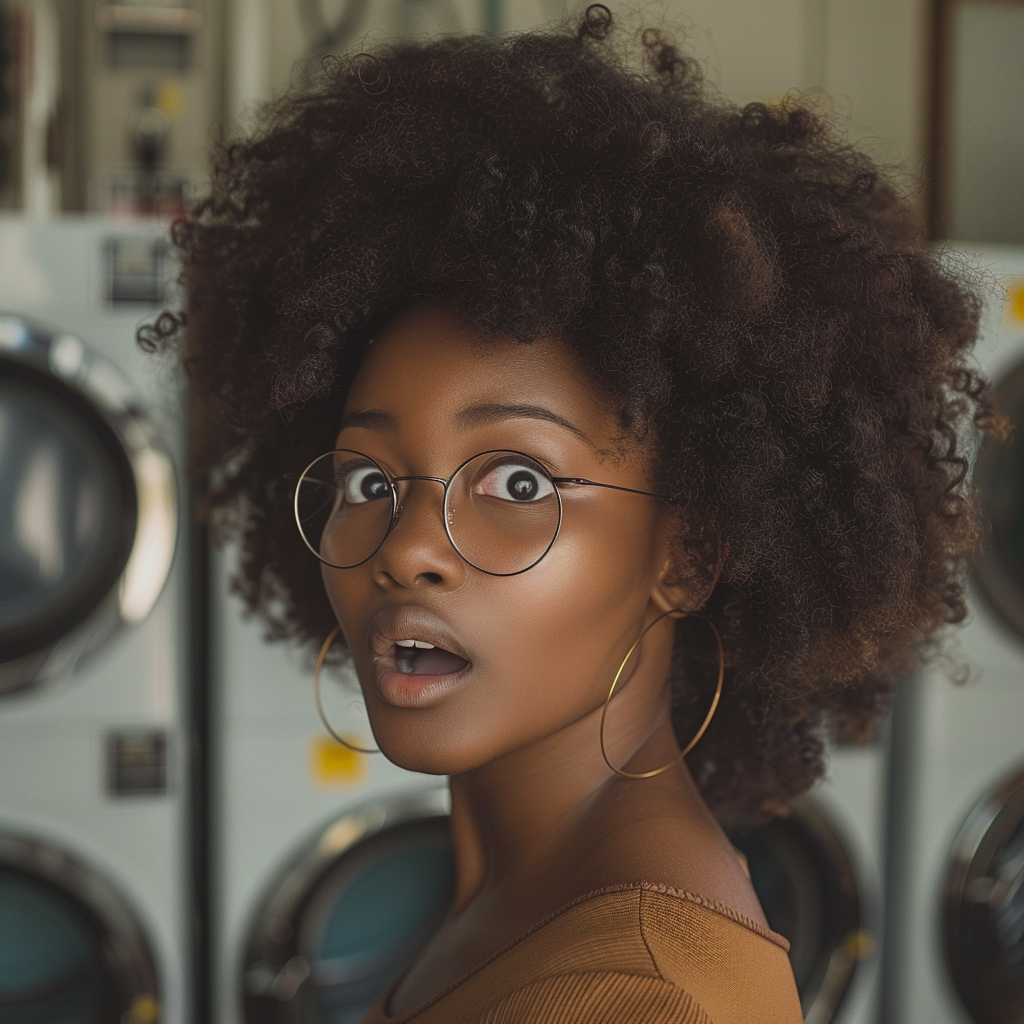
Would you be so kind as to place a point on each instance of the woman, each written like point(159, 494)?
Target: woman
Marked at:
point(619, 424)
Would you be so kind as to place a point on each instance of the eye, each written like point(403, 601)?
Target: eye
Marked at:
point(364, 483)
point(514, 481)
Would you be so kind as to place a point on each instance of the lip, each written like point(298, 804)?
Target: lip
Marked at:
point(400, 689)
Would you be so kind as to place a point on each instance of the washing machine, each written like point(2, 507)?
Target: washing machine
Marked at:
point(329, 868)
point(94, 876)
point(956, 953)
point(818, 870)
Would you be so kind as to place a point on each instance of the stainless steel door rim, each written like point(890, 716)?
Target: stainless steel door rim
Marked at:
point(66, 410)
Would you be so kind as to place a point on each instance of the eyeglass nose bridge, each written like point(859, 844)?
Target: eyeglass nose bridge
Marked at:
point(399, 506)
point(445, 514)
point(435, 479)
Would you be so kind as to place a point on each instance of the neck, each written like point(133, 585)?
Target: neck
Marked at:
point(527, 815)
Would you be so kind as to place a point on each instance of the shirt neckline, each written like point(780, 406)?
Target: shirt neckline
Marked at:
point(707, 903)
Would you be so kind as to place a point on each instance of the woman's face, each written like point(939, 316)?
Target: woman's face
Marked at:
point(534, 652)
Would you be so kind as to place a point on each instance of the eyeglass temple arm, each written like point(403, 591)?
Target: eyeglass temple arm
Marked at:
point(613, 487)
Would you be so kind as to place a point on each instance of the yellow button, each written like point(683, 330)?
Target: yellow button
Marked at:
point(144, 1010)
point(1015, 302)
point(170, 99)
point(860, 944)
point(331, 764)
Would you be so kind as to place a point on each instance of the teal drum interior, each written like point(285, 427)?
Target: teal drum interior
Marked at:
point(361, 919)
point(51, 962)
point(71, 948)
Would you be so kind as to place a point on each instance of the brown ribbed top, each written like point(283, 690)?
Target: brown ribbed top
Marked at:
point(638, 953)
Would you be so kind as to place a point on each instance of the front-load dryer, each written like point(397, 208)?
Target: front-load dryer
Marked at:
point(330, 868)
point(94, 876)
point(956, 953)
point(818, 869)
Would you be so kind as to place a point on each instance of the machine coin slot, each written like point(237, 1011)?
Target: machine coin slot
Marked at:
point(137, 271)
point(137, 763)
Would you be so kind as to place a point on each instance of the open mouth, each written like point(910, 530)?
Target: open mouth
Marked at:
point(419, 659)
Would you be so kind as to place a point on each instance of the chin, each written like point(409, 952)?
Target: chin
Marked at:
point(429, 755)
point(428, 762)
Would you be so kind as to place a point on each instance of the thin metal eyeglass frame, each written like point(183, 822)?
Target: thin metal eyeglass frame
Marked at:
point(396, 507)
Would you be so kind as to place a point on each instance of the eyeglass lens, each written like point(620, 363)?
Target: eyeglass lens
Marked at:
point(501, 509)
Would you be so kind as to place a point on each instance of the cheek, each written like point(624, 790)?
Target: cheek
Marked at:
point(548, 641)
point(573, 616)
point(348, 591)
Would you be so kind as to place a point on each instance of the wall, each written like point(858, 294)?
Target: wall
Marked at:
point(865, 58)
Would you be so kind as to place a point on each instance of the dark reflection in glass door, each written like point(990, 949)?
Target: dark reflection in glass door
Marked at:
point(999, 476)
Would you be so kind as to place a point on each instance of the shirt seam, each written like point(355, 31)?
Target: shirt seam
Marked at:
point(643, 935)
point(722, 909)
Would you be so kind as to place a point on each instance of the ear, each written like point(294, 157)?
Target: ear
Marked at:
point(671, 597)
point(688, 574)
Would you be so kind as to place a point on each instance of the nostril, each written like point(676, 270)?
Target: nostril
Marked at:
point(430, 577)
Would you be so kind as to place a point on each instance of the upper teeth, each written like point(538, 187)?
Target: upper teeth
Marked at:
point(413, 643)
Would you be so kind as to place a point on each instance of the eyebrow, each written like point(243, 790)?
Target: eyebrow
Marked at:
point(371, 419)
point(473, 416)
point(493, 412)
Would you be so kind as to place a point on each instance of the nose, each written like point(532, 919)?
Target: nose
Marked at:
point(417, 551)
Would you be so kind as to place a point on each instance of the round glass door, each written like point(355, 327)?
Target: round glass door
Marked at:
point(67, 510)
point(999, 476)
point(353, 911)
point(70, 953)
point(983, 914)
point(50, 968)
point(88, 519)
point(804, 877)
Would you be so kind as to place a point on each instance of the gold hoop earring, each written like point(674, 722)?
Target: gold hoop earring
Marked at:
point(707, 720)
point(325, 647)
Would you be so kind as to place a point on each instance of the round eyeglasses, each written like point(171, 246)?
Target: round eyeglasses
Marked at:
point(502, 509)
